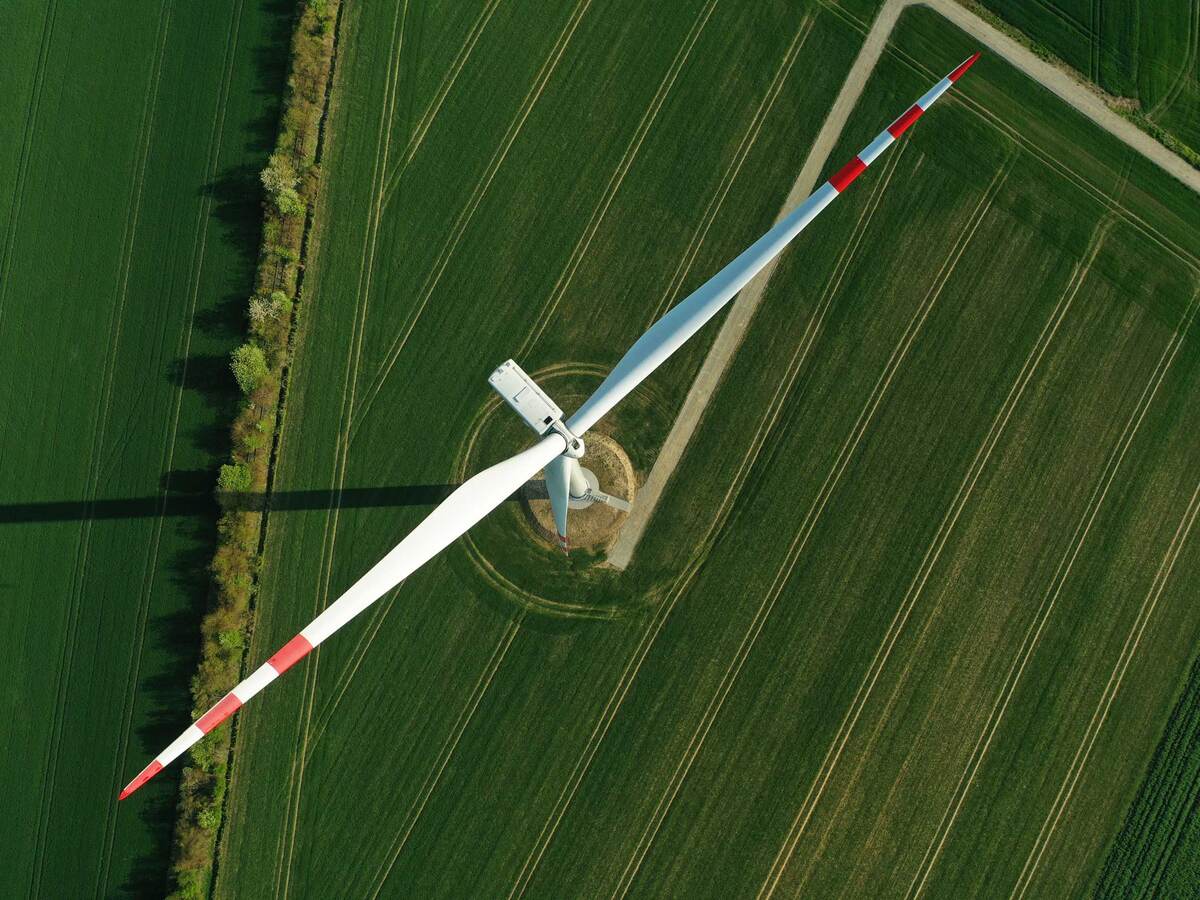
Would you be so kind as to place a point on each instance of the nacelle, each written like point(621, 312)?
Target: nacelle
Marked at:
point(533, 405)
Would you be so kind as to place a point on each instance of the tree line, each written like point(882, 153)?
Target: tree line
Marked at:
point(259, 366)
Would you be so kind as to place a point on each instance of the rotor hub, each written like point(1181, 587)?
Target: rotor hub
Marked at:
point(575, 448)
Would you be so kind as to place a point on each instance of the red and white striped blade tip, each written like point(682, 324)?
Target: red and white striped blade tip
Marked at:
point(142, 777)
point(963, 66)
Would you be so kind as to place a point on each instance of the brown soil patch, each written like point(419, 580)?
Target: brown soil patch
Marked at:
point(595, 527)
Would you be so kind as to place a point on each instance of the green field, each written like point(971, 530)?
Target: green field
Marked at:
point(1157, 852)
point(130, 138)
point(914, 611)
point(1146, 50)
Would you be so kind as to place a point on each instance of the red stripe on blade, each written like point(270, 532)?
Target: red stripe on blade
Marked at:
point(293, 651)
point(961, 70)
point(842, 177)
point(900, 126)
point(145, 775)
point(226, 707)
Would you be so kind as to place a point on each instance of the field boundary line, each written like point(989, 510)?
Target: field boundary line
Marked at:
point(725, 185)
point(435, 105)
point(617, 179)
point(912, 595)
point(654, 626)
point(434, 777)
point(1124, 658)
point(329, 534)
point(1034, 632)
point(467, 213)
point(1084, 31)
point(795, 550)
point(1101, 714)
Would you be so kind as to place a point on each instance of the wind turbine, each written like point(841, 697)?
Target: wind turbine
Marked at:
point(566, 482)
point(560, 446)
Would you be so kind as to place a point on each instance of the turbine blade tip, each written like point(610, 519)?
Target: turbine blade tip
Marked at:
point(142, 777)
point(963, 66)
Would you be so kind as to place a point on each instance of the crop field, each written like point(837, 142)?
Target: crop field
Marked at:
point(914, 610)
point(1147, 50)
point(130, 139)
point(1157, 852)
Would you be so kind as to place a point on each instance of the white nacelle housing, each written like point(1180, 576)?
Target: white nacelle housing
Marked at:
point(522, 394)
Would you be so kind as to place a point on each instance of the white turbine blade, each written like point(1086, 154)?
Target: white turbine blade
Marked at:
point(558, 486)
point(469, 503)
point(670, 332)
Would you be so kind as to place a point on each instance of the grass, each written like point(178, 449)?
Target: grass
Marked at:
point(1143, 50)
point(878, 635)
point(131, 141)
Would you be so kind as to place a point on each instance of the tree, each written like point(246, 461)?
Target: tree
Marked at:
point(323, 15)
point(249, 366)
point(261, 310)
point(289, 203)
point(285, 254)
point(230, 639)
point(269, 309)
point(234, 479)
point(279, 175)
point(209, 818)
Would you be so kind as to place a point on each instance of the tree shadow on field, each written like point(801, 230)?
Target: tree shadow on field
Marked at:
point(237, 195)
point(168, 697)
point(208, 375)
point(234, 197)
point(148, 877)
point(270, 71)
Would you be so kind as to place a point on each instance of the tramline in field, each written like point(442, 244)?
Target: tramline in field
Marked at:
point(561, 445)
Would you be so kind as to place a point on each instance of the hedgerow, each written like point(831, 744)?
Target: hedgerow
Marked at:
point(290, 182)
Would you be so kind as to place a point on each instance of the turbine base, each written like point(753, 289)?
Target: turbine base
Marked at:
point(592, 525)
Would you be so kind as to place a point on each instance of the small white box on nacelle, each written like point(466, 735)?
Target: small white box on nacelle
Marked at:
point(522, 394)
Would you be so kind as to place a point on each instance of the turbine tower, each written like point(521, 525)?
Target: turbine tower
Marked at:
point(566, 479)
point(560, 446)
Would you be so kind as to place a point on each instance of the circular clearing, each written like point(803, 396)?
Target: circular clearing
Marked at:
point(595, 525)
